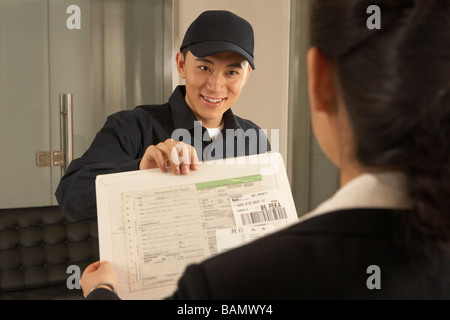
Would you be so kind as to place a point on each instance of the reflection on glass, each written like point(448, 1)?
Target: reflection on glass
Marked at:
point(114, 61)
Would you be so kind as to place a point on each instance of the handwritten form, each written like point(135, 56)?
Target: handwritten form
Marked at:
point(153, 231)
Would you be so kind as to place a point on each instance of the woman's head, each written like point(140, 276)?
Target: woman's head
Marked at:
point(394, 83)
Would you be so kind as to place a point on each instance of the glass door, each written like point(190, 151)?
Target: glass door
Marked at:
point(24, 102)
point(107, 54)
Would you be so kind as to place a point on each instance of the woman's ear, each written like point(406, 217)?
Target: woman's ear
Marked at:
point(324, 115)
point(320, 80)
point(181, 66)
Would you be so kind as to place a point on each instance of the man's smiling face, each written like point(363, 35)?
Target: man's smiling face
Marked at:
point(213, 84)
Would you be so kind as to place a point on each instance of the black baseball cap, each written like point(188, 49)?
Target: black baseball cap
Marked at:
point(219, 31)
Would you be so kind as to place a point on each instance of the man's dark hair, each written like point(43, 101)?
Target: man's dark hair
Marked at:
point(184, 52)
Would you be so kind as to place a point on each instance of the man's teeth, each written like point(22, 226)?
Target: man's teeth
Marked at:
point(213, 100)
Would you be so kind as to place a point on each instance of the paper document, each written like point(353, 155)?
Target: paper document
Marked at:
point(152, 225)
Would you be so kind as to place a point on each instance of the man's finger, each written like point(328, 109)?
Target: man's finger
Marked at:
point(194, 159)
point(185, 156)
point(160, 160)
point(175, 160)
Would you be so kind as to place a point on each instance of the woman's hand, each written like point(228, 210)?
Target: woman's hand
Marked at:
point(96, 273)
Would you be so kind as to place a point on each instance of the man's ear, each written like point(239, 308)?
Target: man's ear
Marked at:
point(181, 66)
point(320, 80)
point(248, 72)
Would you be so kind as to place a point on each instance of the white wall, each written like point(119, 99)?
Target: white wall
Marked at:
point(264, 99)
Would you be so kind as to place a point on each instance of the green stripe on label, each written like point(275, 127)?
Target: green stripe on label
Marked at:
point(228, 182)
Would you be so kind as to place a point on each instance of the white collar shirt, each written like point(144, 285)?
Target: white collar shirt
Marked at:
point(386, 190)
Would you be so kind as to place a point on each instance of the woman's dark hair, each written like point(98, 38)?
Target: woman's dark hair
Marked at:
point(395, 82)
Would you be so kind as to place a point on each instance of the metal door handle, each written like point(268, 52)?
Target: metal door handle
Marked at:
point(63, 157)
point(66, 124)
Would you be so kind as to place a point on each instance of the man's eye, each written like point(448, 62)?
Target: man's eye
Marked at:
point(233, 73)
point(203, 68)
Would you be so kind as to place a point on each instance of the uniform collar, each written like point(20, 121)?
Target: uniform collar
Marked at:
point(183, 117)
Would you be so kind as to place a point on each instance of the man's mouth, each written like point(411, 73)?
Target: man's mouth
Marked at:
point(213, 100)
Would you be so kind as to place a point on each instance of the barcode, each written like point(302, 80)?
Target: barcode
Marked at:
point(273, 213)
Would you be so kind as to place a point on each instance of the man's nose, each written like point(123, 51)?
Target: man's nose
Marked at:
point(216, 81)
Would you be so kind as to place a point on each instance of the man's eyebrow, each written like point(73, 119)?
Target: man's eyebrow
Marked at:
point(233, 65)
point(204, 60)
point(236, 65)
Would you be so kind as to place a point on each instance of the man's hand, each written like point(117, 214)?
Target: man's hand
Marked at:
point(178, 155)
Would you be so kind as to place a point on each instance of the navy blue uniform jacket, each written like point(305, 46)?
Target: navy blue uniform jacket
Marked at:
point(122, 142)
